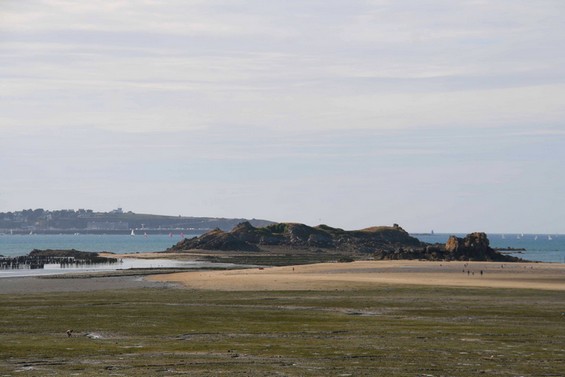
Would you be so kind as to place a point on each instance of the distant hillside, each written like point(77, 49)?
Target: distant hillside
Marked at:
point(117, 221)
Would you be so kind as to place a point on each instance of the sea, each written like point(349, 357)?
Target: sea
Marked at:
point(17, 245)
point(538, 247)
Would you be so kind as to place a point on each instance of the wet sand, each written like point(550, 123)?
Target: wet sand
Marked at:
point(324, 276)
point(24, 285)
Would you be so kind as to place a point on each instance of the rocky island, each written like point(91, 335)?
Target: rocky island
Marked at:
point(324, 243)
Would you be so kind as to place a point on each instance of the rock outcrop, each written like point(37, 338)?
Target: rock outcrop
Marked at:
point(473, 247)
point(380, 243)
point(215, 240)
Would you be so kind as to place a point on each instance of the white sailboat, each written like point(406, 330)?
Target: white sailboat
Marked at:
point(132, 233)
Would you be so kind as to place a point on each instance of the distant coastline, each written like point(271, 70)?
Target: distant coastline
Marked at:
point(137, 231)
point(86, 221)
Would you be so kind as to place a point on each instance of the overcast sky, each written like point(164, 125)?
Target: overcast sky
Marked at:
point(433, 114)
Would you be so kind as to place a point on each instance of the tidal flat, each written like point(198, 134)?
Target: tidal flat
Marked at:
point(385, 330)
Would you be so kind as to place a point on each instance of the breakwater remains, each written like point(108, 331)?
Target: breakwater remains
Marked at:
point(38, 259)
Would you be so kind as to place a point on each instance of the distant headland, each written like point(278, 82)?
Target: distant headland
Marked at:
point(86, 221)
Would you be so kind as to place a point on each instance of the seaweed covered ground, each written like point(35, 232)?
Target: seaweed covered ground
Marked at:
point(387, 330)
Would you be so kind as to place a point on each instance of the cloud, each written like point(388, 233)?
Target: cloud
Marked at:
point(143, 66)
point(214, 18)
point(274, 109)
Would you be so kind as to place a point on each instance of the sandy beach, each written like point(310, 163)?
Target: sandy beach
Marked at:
point(343, 276)
point(320, 276)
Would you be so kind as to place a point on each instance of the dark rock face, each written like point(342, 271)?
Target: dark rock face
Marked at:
point(216, 240)
point(473, 247)
point(477, 242)
point(320, 240)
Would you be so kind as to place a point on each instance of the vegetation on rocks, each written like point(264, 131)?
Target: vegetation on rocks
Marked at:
point(300, 235)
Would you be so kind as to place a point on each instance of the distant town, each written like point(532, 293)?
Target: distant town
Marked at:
point(118, 221)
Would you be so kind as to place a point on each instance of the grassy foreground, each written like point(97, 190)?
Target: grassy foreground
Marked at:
point(384, 331)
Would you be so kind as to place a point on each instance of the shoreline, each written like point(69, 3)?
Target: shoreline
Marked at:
point(360, 274)
point(314, 276)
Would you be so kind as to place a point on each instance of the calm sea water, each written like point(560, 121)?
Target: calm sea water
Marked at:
point(538, 247)
point(15, 245)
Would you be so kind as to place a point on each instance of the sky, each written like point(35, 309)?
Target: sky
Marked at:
point(434, 114)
